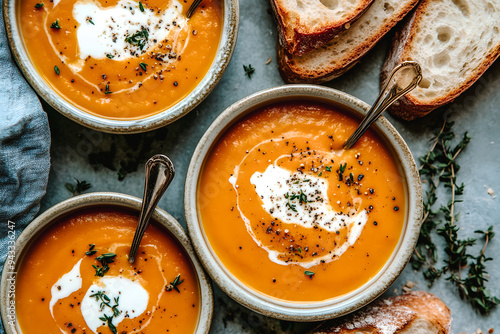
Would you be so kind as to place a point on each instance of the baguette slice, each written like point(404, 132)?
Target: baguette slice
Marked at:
point(416, 312)
point(304, 25)
point(338, 56)
point(454, 41)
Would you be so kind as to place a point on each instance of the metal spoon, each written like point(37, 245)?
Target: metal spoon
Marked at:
point(405, 77)
point(193, 6)
point(159, 173)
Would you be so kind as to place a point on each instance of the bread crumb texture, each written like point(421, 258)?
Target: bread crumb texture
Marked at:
point(416, 312)
point(453, 41)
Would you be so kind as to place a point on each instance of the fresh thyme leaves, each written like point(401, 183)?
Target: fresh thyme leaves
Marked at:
point(173, 285)
point(110, 324)
point(141, 7)
point(106, 90)
point(92, 22)
point(139, 39)
point(303, 197)
point(91, 250)
point(105, 260)
point(341, 171)
point(439, 168)
point(143, 66)
point(79, 188)
point(249, 70)
point(309, 273)
point(56, 69)
point(328, 168)
point(55, 25)
point(39, 5)
point(291, 197)
point(110, 56)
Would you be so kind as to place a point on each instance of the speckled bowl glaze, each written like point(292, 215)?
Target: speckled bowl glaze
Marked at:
point(313, 311)
point(206, 85)
point(46, 219)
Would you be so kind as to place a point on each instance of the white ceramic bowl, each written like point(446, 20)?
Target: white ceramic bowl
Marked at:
point(46, 219)
point(201, 91)
point(313, 311)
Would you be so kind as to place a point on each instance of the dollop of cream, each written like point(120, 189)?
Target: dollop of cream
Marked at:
point(103, 32)
point(131, 296)
point(301, 199)
point(66, 285)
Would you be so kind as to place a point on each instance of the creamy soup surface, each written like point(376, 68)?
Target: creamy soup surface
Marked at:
point(121, 59)
point(76, 278)
point(292, 214)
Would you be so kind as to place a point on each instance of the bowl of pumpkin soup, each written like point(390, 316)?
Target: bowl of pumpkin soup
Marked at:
point(287, 222)
point(69, 272)
point(122, 66)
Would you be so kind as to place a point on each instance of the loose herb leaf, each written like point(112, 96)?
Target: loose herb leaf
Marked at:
point(141, 7)
point(56, 69)
point(249, 70)
point(328, 168)
point(106, 90)
point(341, 171)
point(79, 188)
point(143, 66)
point(39, 5)
point(110, 56)
point(309, 273)
point(55, 25)
point(173, 285)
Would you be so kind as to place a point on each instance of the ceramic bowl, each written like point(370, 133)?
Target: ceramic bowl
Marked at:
point(310, 311)
point(201, 91)
point(49, 217)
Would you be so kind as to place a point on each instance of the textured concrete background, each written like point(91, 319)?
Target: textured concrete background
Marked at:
point(477, 111)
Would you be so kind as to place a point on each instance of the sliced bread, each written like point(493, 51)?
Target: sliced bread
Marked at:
point(416, 312)
point(454, 41)
point(344, 51)
point(304, 25)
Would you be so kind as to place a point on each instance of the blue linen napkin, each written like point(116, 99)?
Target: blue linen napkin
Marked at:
point(24, 149)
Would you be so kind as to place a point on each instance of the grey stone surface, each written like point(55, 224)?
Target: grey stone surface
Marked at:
point(477, 111)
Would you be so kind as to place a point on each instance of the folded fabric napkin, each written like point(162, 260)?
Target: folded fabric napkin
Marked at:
point(24, 149)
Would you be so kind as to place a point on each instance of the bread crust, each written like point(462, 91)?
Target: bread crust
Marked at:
point(299, 39)
point(409, 107)
point(292, 72)
point(394, 315)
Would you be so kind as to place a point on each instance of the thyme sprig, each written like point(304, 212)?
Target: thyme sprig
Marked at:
point(105, 301)
point(249, 70)
point(79, 188)
point(173, 285)
point(140, 38)
point(439, 168)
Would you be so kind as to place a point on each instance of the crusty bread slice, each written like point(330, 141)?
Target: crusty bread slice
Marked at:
point(454, 41)
point(344, 51)
point(416, 312)
point(304, 25)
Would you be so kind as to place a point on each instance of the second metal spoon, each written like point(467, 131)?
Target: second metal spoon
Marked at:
point(159, 173)
point(405, 77)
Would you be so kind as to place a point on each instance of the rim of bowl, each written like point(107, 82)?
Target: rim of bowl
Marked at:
point(304, 311)
point(188, 103)
point(50, 216)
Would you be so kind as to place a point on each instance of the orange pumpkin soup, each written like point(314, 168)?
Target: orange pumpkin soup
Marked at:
point(76, 278)
point(121, 59)
point(290, 213)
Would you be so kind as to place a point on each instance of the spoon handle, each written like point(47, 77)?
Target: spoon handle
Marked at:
point(159, 173)
point(192, 8)
point(405, 77)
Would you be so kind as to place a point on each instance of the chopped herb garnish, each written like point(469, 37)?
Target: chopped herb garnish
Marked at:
point(39, 5)
point(303, 198)
point(91, 250)
point(351, 177)
point(105, 260)
point(55, 25)
point(309, 273)
point(173, 285)
point(110, 56)
point(341, 171)
point(92, 22)
point(328, 168)
point(106, 90)
point(143, 66)
point(80, 186)
point(320, 173)
point(139, 39)
point(249, 70)
point(110, 324)
point(300, 249)
point(56, 69)
point(141, 7)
